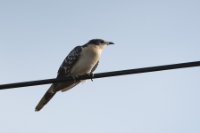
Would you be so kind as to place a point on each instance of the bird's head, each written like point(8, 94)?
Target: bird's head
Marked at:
point(99, 43)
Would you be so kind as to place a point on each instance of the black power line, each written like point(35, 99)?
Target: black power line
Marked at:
point(101, 75)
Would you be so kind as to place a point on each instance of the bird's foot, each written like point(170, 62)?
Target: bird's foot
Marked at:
point(91, 76)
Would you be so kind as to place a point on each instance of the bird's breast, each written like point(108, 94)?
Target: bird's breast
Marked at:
point(87, 60)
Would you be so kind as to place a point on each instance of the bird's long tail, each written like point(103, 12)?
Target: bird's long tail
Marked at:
point(46, 98)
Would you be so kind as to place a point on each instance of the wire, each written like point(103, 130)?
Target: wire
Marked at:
point(101, 75)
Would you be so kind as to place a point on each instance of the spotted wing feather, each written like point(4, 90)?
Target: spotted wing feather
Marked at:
point(69, 61)
point(64, 70)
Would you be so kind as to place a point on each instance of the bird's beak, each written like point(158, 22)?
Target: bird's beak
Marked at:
point(110, 43)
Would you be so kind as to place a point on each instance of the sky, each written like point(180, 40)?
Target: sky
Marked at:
point(36, 35)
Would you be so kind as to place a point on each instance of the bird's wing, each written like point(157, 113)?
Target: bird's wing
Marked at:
point(63, 71)
point(69, 62)
point(66, 67)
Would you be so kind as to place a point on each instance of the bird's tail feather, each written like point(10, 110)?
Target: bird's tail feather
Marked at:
point(52, 91)
point(46, 98)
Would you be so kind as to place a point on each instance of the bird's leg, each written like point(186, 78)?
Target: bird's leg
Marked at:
point(91, 76)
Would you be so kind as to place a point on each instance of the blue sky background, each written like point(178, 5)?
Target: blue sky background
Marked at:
point(36, 35)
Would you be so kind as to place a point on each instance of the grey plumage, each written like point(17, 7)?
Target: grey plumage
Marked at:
point(69, 61)
point(81, 60)
point(63, 71)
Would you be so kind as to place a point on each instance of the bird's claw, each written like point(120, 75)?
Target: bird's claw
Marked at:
point(91, 76)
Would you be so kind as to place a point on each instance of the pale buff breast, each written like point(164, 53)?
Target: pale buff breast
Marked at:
point(88, 59)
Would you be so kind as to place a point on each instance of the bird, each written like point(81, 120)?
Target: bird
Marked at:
point(83, 59)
